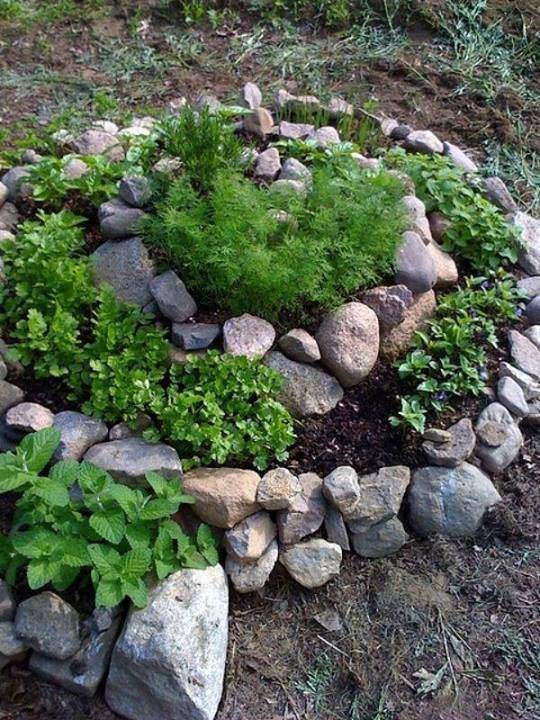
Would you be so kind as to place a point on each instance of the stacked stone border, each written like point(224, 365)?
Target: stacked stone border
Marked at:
point(169, 659)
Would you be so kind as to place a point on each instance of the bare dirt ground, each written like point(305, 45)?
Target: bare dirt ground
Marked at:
point(445, 630)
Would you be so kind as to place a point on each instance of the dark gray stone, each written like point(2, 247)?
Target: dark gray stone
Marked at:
point(9, 217)
point(118, 220)
point(10, 395)
point(497, 458)
point(299, 345)
point(498, 194)
point(306, 514)
point(49, 625)
point(458, 448)
point(78, 432)
point(381, 539)
point(135, 191)
point(307, 390)
point(336, 530)
point(312, 563)
point(415, 267)
point(194, 336)
point(532, 311)
point(450, 501)
point(126, 266)
point(172, 298)
point(389, 304)
point(512, 397)
point(7, 602)
point(17, 182)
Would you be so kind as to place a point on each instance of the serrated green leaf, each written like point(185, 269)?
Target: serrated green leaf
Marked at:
point(109, 524)
point(37, 449)
point(138, 535)
point(40, 571)
point(64, 577)
point(75, 552)
point(12, 478)
point(127, 498)
point(66, 472)
point(34, 543)
point(106, 559)
point(158, 483)
point(52, 491)
point(205, 536)
point(158, 508)
point(135, 563)
point(93, 479)
point(164, 568)
point(109, 593)
point(137, 592)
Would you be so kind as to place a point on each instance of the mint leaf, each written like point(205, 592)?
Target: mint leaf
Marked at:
point(109, 524)
point(37, 449)
point(52, 491)
point(109, 592)
point(137, 592)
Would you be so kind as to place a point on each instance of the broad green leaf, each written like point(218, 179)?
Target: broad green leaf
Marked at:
point(106, 559)
point(126, 497)
point(137, 592)
point(40, 571)
point(205, 536)
point(158, 508)
point(135, 563)
point(109, 593)
point(12, 478)
point(110, 524)
point(138, 534)
point(37, 448)
point(164, 568)
point(52, 491)
point(6, 551)
point(158, 483)
point(75, 552)
point(64, 577)
point(66, 472)
point(34, 543)
point(93, 479)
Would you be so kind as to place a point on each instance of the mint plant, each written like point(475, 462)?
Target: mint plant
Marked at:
point(78, 519)
point(448, 360)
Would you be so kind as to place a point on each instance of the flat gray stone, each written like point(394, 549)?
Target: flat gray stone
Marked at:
point(78, 432)
point(128, 460)
point(529, 385)
point(118, 220)
point(459, 157)
point(525, 354)
point(348, 339)
point(170, 659)
point(512, 397)
point(98, 142)
point(7, 602)
point(10, 395)
point(172, 297)
point(248, 335)
point(533, 334)
point(312, 563)
point(82, 673)
point(450, 501)
point(194, 336)
point(497, 192)
point(277, 489)
point(423, 141)
point(336, 529)
point(381, 495)
point(530, 285)
point(415, 267)
point(294, 131)
point(389, 303)
point(384, 538)
point(530, 239)
point(306, 515)
point(299, 345)
point(49, 625)
point(126, 266)
point(324, 136)
point(496, 459)
point(136, 191)
point(437, 435)
point(248, 540)
point(459, 447)
point(252, 576)
point(307, 390)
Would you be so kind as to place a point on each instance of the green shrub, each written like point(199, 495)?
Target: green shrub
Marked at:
point(219, 407)
point(449, 359)
point(49, 290)
point(234, 251)
point(77, 518)
point(204, 142)
point(115, 360)
point(479, 232)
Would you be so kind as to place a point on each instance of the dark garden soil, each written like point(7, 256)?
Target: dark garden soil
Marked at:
point(444, 630)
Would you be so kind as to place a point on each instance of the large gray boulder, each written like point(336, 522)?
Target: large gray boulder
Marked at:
point(307, 390)
point(128, 460)
point(78, 433)
point(126, 266)
point(499, 439)
point(49, 625)
point(450, 501)
point(348, 339)
point(169, 661)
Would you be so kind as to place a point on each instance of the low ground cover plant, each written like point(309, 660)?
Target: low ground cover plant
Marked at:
point(448, 360)
point(249, 249)
point(115, 360)
point(76, 518)
point(478, 232)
